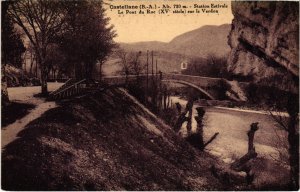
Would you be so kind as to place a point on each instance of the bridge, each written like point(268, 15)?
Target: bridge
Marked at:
point(196, 80)
point(205, 85)
point(201, 84)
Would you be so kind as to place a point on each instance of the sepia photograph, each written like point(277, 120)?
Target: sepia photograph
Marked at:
point(149, 95)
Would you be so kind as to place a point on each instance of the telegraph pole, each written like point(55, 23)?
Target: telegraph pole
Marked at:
point(152, 85)
point(146, 94)
point(152, 64)
point(156, 70)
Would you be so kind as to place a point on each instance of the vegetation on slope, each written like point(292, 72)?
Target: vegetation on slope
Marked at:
point(104, 141)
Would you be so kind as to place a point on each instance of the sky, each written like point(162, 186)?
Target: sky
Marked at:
point(158, 27)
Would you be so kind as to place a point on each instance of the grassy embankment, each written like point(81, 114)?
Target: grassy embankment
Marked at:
point(104, 141)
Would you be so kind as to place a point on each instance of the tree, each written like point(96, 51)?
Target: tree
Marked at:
point(11, 42)
point(12, 49)
point(124, 61)
point(136, 66)
point(31, 52)
point(40, 20)
point(293, 139)
point(291, 126)
point(55, 59)
point(130, 62)
point(218, 66)
point(212, 66)
point(89, 34)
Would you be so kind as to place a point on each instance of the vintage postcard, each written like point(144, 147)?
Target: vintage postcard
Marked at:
point(155, 95)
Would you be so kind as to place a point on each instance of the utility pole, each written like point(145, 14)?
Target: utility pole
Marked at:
point(158, 88)
point(152, 65)
point(156, 70)
point(146, 93)
point(154, 84)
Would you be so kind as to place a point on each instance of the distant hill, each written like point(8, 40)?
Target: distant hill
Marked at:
point(201, 42)
point(144, 46)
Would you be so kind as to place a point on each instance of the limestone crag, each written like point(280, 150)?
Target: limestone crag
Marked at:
point(264, 42)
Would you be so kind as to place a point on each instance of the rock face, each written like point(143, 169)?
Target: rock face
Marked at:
point(264, 42)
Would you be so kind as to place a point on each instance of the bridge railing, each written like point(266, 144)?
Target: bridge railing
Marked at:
point(197, 80)
point(66, 84)
point(71, 90)
point(123, 79)
point(204, 82)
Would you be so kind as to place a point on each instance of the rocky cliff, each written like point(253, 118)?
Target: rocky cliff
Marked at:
point(264, 42)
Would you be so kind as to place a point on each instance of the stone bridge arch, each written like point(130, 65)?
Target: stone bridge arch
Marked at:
point(196, 82)
point(190, 85)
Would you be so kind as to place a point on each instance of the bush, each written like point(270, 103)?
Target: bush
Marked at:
point(210, 67)
point(267, 96)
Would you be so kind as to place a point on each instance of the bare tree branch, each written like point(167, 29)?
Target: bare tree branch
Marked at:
point(211, 139)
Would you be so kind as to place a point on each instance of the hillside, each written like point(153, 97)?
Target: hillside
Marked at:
point(193, 45)
point(144, 46)
point(200, 42)
point(105, 141)
point(207, 40)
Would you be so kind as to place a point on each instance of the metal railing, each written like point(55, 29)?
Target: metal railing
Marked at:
point(66, 84)
point(69, 90)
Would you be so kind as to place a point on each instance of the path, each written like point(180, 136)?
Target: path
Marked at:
point(25, 95)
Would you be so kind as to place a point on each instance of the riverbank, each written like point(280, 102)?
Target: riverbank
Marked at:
point(232, 142)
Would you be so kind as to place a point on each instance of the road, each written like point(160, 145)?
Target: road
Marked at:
point(25, 95)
